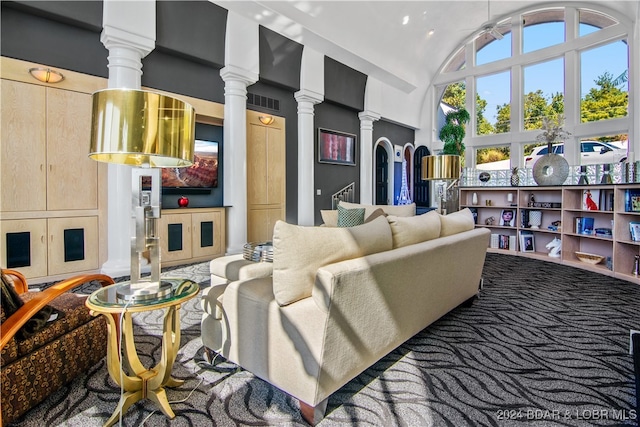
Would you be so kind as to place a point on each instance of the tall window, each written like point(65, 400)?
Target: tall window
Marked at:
point(549, 68)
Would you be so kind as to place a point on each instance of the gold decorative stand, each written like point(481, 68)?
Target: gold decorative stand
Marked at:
point(137, 381)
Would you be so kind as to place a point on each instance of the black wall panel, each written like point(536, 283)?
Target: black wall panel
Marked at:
point(330, 178)
point(280, 60)
point(83, 14)
point(343, 85)
point(38, 39)
point(192, 29)
point(397, 134)
point(175, 74)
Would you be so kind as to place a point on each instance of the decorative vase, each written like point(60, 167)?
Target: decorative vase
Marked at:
point(474, 199)
point(515, 178)
point(550, 169)
point(535, 219)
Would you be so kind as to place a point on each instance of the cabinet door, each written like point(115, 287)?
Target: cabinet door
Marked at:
point(73, 244)
point(72, 177)
point(22, 153)
point(175, 237)
point(260, 224)
point(207, 234)
point(275, 167)
point(257, 165)
point(24, 246)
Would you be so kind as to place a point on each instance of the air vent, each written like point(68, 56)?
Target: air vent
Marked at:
point(263, 101)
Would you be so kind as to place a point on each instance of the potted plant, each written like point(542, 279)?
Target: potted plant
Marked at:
point(452, 133)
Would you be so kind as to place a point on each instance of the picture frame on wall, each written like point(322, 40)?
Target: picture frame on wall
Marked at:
point(337, 147)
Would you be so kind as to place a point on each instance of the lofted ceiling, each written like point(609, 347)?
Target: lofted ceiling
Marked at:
point(392, 40)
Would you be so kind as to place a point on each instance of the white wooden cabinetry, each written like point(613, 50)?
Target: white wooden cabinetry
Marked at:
point(560, 208)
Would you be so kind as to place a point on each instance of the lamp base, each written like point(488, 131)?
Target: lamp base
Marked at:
point(144, 291)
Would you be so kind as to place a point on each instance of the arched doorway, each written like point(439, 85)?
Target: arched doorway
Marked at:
point(421, 188)
point(382, 176)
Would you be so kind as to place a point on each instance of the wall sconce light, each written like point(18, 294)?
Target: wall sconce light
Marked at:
point(266, 120)
point(46, 75)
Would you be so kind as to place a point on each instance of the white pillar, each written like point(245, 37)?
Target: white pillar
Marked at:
point(306, 210)
point(366, 156)
point(235, 154)
point(129, 31)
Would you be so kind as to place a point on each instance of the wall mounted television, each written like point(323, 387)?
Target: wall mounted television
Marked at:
point(200, 177)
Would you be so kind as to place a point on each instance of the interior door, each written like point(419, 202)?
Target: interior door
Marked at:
point(382, 175)
point(421, 192)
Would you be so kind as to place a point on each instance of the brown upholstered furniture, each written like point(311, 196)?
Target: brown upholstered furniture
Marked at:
point(33, 365)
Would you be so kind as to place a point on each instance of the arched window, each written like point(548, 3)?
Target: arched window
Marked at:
point(558, 61)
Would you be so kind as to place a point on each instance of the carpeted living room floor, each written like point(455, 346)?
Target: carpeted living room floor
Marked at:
point(545, 345)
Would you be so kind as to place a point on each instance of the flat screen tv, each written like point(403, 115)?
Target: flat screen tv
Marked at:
point(201, 176)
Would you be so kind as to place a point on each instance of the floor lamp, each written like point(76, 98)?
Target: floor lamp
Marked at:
point(148, 131)
point(445, 168)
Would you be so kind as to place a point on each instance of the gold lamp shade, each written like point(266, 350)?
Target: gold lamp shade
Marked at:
point(446, 166)
point(141, 128)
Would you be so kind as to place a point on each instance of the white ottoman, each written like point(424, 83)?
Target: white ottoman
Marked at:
point(234, 267)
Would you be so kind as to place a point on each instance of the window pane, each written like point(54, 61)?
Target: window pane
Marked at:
point(591, 21)
point(542, 29)
point(489, 48)
point(543, 92)
point(493, 100)
point(603, 149)
point(493, 158)
point(604, 75)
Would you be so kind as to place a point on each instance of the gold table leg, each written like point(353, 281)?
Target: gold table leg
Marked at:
point(146, 383)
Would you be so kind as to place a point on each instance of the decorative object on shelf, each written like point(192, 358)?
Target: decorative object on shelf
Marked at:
point(555, 226)
point(474, 199)
point(589, 258)
point(583, 180)
point(584, 225)
point(551, 169)
point(636, 265)
point(554, 246)
point(488, 202)
point(532, 199)
point(589, 203)
point(404, 198)
point(484, 177)
point(507, 218)
point(509, 197)
point(535, 219)
point(149, 131)
point(489, 221)
point(606, 174)
point(527, 242)
point(183, 201)
point(515, 178)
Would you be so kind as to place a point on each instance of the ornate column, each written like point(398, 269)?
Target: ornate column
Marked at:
point(235, 153)
point(128, 41)
point(366, 155)
point(306, 100)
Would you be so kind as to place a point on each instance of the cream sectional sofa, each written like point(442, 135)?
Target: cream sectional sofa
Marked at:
point(339, 299)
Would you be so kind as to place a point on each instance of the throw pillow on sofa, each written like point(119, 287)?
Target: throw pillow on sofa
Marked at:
point(329, 217)
point(414, 229)
point(299, 251)
point(456, 222)
point(350, 217)
point(397, 210)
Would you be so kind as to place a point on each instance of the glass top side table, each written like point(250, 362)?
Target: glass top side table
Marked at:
point(137, 381)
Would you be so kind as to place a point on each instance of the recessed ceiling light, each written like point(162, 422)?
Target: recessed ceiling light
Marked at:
point(430, 32)
point(405, 20)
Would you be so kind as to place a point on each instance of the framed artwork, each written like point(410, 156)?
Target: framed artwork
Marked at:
point(336, 147)
point(527, 242)
point(507, 217)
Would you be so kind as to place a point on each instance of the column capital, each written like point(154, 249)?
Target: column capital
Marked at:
point(306, 95)
point(368, 115)
point(233, 73)
point(113, 37)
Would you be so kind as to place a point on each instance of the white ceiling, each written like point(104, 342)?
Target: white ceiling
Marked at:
point(370, 35)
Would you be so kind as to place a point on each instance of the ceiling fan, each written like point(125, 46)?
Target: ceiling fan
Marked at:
point(490, 27)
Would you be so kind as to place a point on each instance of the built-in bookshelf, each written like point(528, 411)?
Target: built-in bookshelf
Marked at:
point(595, 219)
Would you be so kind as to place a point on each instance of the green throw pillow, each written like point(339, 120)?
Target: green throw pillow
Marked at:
point(350, 217)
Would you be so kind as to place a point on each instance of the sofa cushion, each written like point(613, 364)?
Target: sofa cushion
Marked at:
point(397, 210)
point(299, 251)
point(329, 217)
point(414, 229)
point(456, 222)
point(350, 217)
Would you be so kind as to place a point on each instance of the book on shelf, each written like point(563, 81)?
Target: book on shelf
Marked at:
point(474, 212)
point(495, 241)
point(632, 200)
point(634, 231)
point(504, 241)
point(584, 225)
point(590, 200)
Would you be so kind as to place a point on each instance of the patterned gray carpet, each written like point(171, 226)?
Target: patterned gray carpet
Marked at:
point(545, 345)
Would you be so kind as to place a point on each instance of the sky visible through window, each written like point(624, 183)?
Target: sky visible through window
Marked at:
point(547, 76)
